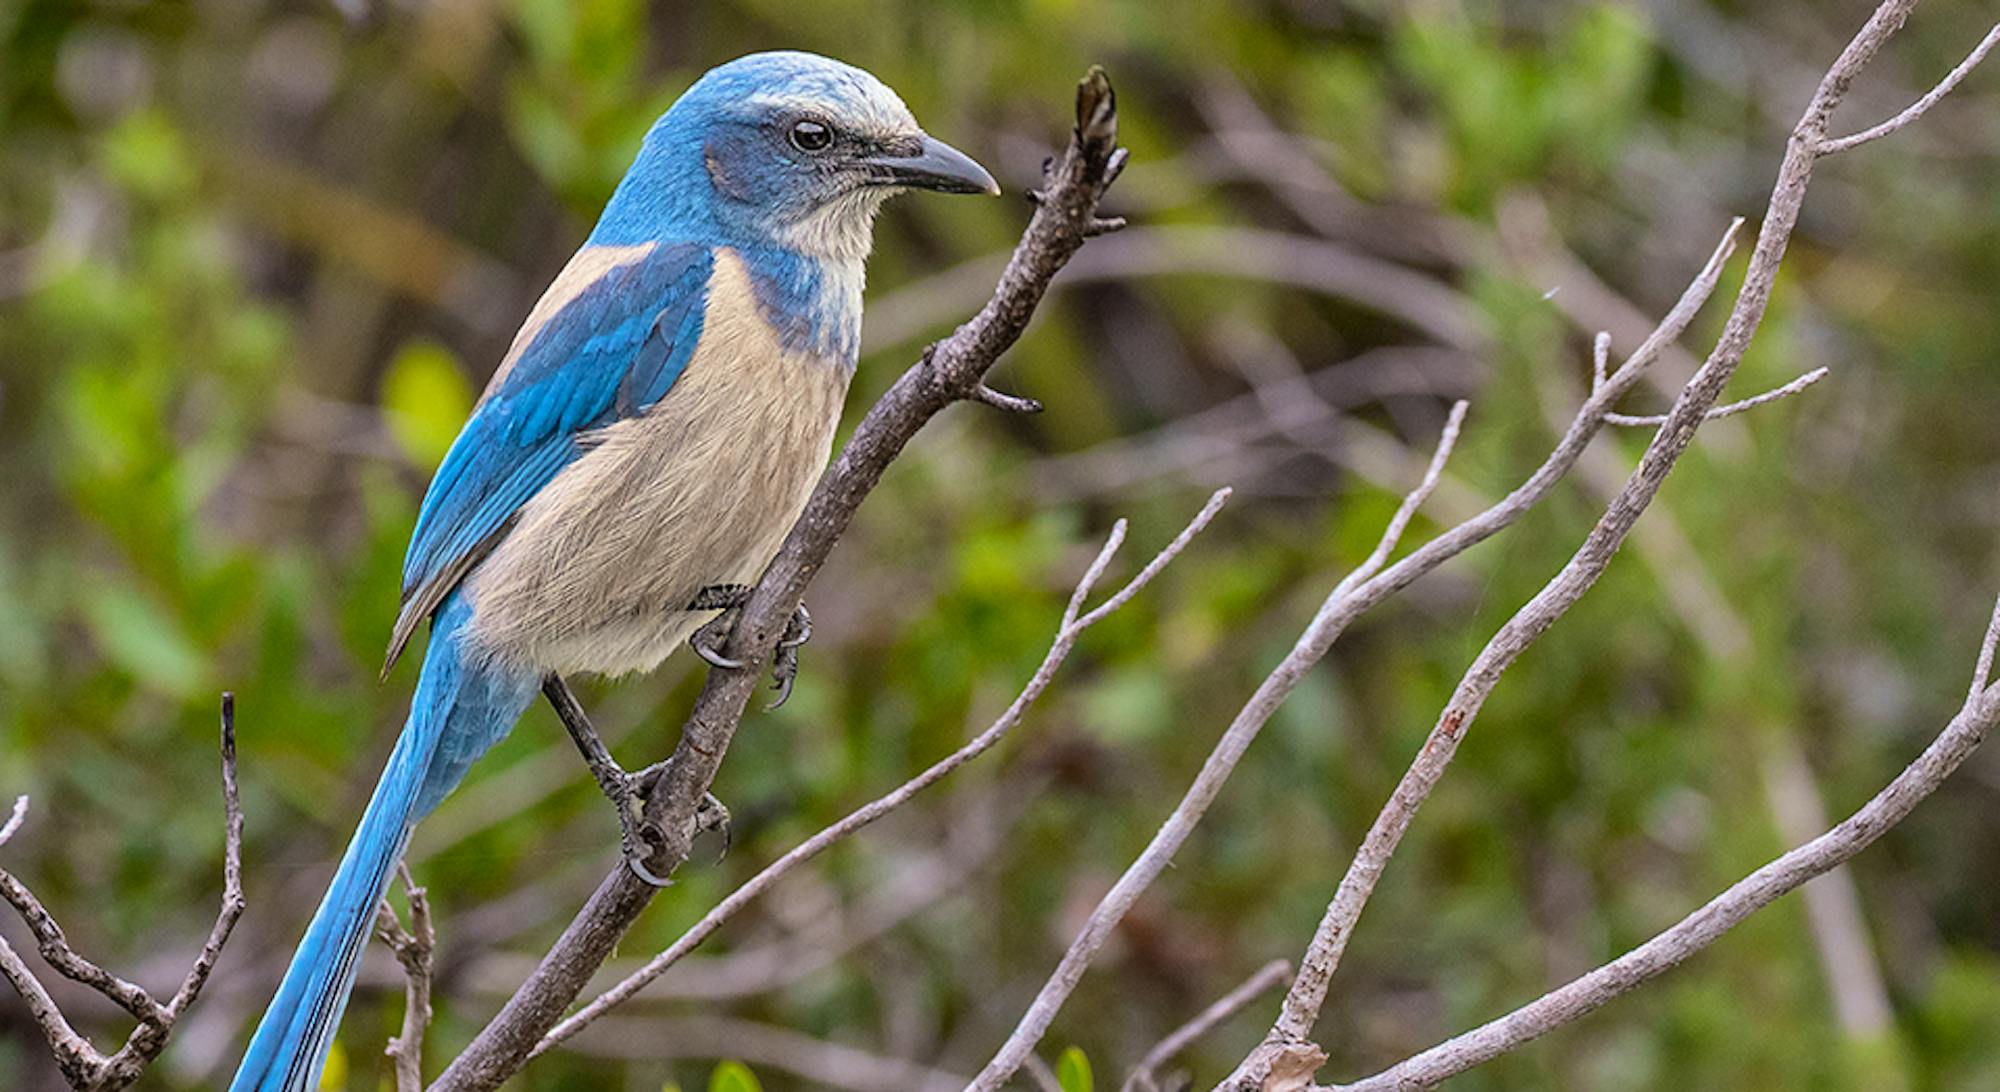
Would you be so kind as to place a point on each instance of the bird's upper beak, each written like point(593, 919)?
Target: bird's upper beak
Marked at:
point(934, 166)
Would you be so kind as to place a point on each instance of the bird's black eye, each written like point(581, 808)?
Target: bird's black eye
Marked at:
point(811, 136)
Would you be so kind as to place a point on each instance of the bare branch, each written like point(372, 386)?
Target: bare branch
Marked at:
point(82, 1064)
point(1074, 623)
point(1007, 403)
point(1347, 602)
point(1920, 107)
point(55, 949)
point(949, 371)
point(1271, 974)
point(1303, 1003)
point(1953, 745)
point(1600, 356)
point(1334, 616)
point(413, 948)
point(1730, 410)
point(75, 1057)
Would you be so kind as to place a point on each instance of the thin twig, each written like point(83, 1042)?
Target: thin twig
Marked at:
point(1920, 107)
point(1041, 1073)
point(14, 819)
point(413, 947)
point(1400, 522)
point(1982, 672)
point(1953, 745)
point(150, 1037)
point(950, 371)
point(1833, 908)
point(232, 870)
point(1142, 1078)
point(1730, 410)
point(1073, 624)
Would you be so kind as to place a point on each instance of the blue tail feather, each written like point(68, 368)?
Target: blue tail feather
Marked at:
point(461, 708)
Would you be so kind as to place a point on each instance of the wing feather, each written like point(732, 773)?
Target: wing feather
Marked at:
point(615, 348)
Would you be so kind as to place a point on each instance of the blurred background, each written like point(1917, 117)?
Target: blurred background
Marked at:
point(257, 258)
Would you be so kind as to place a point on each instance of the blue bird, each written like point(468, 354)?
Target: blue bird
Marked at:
point(639, 455)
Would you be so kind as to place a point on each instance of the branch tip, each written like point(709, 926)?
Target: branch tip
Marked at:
point(14, 820)
point(1096, 109)
point(1011, 403)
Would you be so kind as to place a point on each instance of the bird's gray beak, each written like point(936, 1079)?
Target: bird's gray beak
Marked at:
point(935, 166)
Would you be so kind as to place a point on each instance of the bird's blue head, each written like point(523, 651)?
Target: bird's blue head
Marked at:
point(787, 150)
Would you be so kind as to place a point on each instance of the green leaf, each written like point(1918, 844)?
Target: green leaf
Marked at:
point(733, 1077)
point(427, 400)
point(144, 638)
point(1073, 1071)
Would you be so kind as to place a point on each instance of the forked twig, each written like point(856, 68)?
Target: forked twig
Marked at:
point(1074, 623)
point(1920, 107)
point(81, 1064)
point(1953, 745)
point(414, 948)
point(1142, 1078)
point(1730, 410)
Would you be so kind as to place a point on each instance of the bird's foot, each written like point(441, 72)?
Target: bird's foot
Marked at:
point(711, 816)
point(640, 838)
point(707, 641)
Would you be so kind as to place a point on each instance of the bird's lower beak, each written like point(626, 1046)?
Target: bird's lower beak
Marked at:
point(936, 166)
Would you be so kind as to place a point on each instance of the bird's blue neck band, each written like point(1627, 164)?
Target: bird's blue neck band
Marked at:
point(668, 197)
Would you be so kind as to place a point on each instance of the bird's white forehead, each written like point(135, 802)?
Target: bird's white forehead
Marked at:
point(863, 104)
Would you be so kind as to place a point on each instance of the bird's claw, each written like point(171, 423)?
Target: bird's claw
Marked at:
point(712, 817)
point(636, 837)
point(799, 630)
point(785, 661)
point(639, 837)
point(707, 641)
point(636, 864)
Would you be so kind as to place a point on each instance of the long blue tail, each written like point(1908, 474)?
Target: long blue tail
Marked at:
point(460, 710)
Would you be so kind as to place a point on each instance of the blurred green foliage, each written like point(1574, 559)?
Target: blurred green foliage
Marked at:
point(256, 258)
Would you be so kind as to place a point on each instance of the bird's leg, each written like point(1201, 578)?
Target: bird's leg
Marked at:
point(728, 598)
point(626, 792)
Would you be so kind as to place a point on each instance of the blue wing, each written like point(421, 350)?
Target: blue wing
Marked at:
point(613, 350)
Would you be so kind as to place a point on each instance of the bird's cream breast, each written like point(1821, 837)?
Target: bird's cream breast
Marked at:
point(698, 490)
